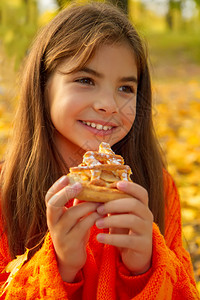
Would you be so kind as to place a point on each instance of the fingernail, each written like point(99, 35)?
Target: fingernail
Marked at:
point(76, 186)
point(122, 184)
point(101, 209)
point(100, 223)
point(101, 237)
point(72, 190)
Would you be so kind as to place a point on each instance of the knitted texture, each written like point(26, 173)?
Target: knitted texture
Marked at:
point(104, 277)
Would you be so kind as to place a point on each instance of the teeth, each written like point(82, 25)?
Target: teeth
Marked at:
point(97, 126)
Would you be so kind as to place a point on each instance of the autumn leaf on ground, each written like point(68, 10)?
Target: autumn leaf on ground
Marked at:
point(13, 267)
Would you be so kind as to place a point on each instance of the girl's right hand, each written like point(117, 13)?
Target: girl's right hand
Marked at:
point(69, 227)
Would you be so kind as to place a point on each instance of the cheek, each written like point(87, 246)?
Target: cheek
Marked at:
point(63, 109)
point(128, 112)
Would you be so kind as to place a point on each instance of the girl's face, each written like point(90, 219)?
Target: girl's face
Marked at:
point(94, 104)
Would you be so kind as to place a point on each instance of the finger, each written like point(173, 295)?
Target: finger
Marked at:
point(79, 234)
point(126, 205)
point(74, 215)
point(53, 215)
point(135, 190)
point(81, 228)
point(128, 221)
point(56, 187)
point(120, 240)
point(63, 196)
point(56, 204)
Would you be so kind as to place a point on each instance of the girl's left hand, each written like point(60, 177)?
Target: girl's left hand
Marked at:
point(130, 224)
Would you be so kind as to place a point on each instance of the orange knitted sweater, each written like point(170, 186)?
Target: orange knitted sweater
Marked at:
point(104, 277)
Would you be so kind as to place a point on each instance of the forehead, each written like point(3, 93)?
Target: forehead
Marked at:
point(120, 52)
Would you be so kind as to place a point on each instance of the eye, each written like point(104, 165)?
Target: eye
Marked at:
point(85, 81)
point(126, 89)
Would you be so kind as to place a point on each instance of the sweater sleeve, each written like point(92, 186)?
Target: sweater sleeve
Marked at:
point(41, 279)
point(171, 274)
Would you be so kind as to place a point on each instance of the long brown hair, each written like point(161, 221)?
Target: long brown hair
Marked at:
point(33, 163)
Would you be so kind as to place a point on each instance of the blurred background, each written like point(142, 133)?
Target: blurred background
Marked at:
point(171, 30)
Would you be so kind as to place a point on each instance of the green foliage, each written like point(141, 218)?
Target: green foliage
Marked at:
point(197, 3)
point(18, 25)
point(175, 47)
point(62, 3)
point(179, 15)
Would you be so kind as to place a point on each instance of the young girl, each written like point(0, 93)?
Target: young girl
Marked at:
point(86, 80)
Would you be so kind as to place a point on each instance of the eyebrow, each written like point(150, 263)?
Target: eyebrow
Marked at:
point(99, 75)
point(129, 78)
point(91, 71)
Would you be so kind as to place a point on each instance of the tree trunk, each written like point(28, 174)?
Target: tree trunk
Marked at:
point(173, 6)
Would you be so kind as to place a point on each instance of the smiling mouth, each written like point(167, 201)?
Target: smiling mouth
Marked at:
point(98, 126)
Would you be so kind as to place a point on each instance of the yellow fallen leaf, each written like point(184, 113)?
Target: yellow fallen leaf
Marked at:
point(188, 214)
point(13, 267)
point(188, 232)
point(198, 286)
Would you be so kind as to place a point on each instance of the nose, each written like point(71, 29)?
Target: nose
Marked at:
point(106, 104)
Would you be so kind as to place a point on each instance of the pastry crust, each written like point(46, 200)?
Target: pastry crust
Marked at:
point(95, 193)
point(99, 173)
